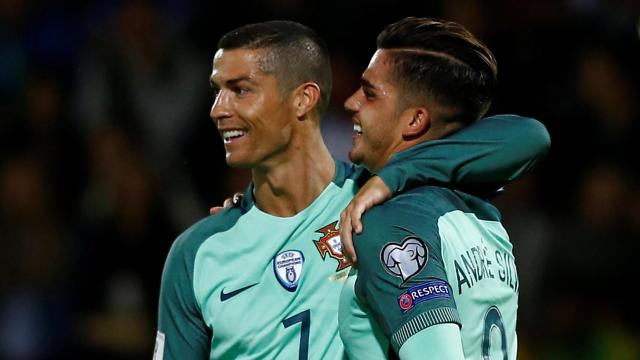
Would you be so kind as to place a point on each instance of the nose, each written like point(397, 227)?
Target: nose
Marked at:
point(352, 104)
point(220, 108)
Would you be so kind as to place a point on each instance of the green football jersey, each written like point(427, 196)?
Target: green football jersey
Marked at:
point(258, 286)
point(430, 256)
point(248, 285)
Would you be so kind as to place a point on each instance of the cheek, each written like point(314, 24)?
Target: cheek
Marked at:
point(381, 130)
point(257, 116)
point(273, 122)
point(249, 110)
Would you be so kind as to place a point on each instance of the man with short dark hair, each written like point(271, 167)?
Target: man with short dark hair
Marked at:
point(262, 279)
point(436, 276)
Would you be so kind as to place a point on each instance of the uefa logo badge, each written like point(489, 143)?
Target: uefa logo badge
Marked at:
point(405, 302)
point(287, 266)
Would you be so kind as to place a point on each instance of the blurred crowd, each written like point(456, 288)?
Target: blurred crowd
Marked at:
point(108, 153)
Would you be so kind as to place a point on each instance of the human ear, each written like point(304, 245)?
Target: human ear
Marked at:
point(417, 123)
point(306, 99)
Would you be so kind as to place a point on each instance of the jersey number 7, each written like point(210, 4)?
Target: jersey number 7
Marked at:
point(304, 318)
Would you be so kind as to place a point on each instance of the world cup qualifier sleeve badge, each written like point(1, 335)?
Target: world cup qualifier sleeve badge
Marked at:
point(330, 244)
point(406, 259)
point(287, 266)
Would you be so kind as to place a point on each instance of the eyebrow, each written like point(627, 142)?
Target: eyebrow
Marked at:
point(232, 82)
point(367, 83)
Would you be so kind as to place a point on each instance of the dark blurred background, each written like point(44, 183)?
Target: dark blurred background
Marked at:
point(108, 153)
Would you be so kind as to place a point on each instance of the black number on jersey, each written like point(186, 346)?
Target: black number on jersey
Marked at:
point(304, 318)
point(493, 319)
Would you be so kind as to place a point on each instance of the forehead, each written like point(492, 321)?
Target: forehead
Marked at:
point(236, 64)
point(379, 71)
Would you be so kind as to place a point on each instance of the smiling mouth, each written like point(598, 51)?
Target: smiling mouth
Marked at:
point(230, 135)
point(357, 129)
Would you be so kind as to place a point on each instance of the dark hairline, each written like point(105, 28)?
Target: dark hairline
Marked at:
point(277, 39)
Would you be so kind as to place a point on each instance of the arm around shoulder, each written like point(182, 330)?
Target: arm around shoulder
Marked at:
point(490, 153)
point(522, 143)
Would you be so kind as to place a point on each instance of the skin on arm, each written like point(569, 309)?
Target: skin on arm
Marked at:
point(442, 341)
point(374, 192)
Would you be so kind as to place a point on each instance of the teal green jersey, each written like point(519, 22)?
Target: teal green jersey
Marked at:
point(248, 285)
point(431, 256)
point(478, 158)
point(257, 286)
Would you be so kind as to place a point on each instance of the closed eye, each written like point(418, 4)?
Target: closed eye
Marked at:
point(240, 90)
point(215, 88)
point(368, 89)
point(370, 95)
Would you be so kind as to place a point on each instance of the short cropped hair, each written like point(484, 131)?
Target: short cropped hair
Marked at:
point(295, 54)
point(442, 61)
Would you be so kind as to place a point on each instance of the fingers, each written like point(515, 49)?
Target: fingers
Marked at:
point(228, 202)
point(374, 192)
point(237, 197)
point(356, 216)
point(348, 249)
point(214, 210)
point(358, 206)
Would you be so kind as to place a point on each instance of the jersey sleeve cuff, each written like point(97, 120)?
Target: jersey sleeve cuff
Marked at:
point(423, 321)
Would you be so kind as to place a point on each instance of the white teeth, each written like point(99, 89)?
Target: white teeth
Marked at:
point(227, 135)
point(357, 128)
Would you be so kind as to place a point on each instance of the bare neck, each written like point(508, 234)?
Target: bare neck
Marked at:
point(290, 183)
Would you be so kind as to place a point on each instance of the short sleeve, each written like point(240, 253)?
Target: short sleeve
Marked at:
point(182, 333)
point(401, 274)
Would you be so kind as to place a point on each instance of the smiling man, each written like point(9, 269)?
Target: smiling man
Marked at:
point(250, 282)
point(262, 280)
point(436, 276)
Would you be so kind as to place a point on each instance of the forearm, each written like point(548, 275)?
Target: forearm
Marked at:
point(490, 153)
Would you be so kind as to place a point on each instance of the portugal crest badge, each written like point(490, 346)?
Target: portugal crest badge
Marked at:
point(287, 266)
point(330, 244)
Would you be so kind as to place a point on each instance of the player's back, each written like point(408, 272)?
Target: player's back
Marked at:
point(479, 262)
point(431, 256)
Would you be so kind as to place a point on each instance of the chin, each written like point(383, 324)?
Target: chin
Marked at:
point(237, 163)
point(354, 158)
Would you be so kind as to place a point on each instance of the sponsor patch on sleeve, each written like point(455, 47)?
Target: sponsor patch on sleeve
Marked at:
point(429, 290)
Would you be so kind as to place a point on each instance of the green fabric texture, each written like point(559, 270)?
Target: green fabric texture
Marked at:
point(482, 157)
point(223, 297)
point(466, 273)
point(231, 256)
